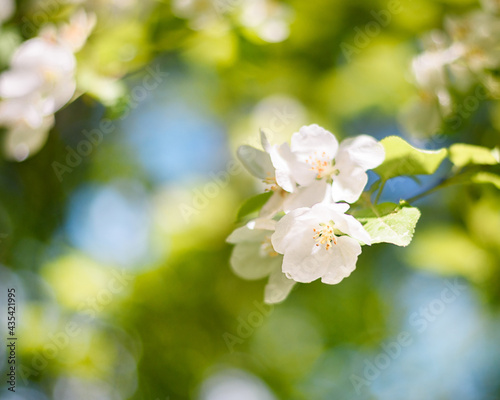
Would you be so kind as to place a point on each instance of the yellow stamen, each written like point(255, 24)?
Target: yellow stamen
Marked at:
point(325, 235)
point(271, 181)
point(267, 249)
point(321, 164)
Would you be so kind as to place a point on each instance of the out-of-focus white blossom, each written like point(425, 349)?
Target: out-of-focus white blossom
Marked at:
point(476, 39)
point(75, 33)
point(7, 8)
point(454, 60)
point(268, 18)
point(39, 82)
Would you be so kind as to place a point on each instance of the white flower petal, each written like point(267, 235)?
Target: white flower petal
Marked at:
point(257, 162)
point(351, 226)
point(247, 262)
point(273, 205)
point(308, 196)
point(59, 96)
point(75, 34)
point(7, 8)
point(19, 82)
point(265, 143)
point(327, 211)
point(349, 184)
point(278, 287)
point(22, 141)
point(262, 223)
point(342, 260)
point(305, 269)
point(246, 234)
point(283, 160)
point(314, 139)
point(41, 54)
point(364, 151)
point(292, 231)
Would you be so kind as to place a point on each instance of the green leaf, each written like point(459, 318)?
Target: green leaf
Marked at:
point(466, 154)
point(253, 204)
point(486, 177)
point(390, 223)
point(475, 176)
point(403, 159)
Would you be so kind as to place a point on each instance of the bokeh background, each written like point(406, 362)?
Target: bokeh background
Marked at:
point(120, 265)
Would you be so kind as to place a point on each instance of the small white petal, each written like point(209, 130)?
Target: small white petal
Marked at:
point(41, 54)
point(351, 226)
point(308, 196)
point(265, 143)
point(349, 184)
point(247, 262)
point(273, 205)
point(363, 151)
point(22, 141)
point(7, 8)
point(263, 223)
point(329, 211)
point(290, 230)
point(342, 261)
point(278, 287)
point(257, 162)
point(59, 96)
point(314, 139)
point(283, 160)
point(19, 82)
point(245, 234)
point(305, 269)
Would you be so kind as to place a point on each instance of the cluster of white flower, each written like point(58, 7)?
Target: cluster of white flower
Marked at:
point(464, 54)
point(39, 82)
point(303, 232)
point(269, 20)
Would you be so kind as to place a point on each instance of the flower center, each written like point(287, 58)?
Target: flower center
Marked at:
point(321, 164)
point(267, 249)
point(325, 235)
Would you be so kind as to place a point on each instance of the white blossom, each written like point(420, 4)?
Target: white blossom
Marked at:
point(7, 8)
point(319, 242)
point(73, 34)
point(316, 155)
point(39, 82)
